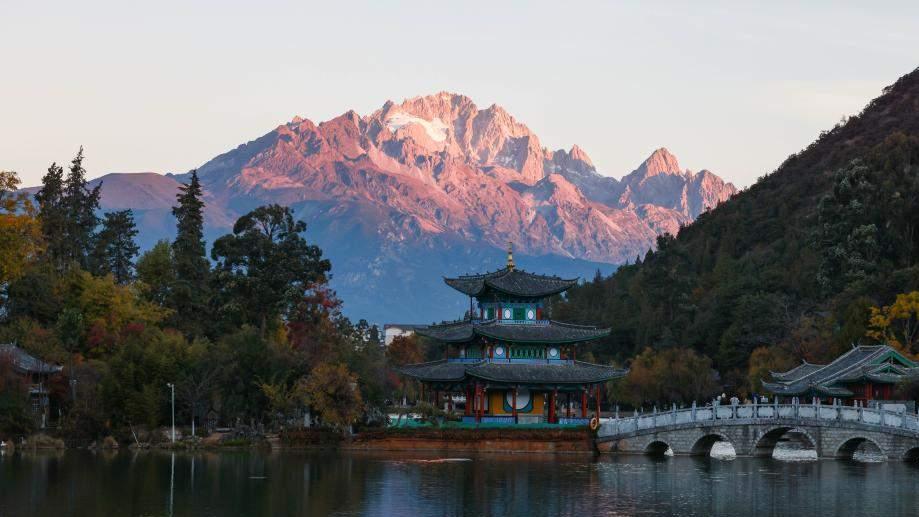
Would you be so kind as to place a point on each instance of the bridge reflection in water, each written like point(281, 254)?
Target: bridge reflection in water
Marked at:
point(833, 431)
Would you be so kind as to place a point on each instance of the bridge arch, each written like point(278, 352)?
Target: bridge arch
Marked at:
point(657, 448)
point(703, 445)
point(911, 455)
point(765, 443)
point(847, 448)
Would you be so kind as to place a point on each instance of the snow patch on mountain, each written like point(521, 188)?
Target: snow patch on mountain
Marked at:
point(435, 129)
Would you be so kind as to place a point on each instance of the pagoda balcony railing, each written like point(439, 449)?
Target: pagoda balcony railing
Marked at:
point(511, 322)
point(523, 420)
point(505, 360)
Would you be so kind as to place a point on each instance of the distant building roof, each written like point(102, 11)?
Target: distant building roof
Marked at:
point(548, 332)
point(405, 326)
point(574, 372)
point(511, 281)
point(877, 364)
point(25, 362)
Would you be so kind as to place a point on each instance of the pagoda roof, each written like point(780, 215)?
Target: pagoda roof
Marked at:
point(881, 364)
point(565, 372)
point(511, 281)
point(797, 372)
point(546, 331)
point(25, 362)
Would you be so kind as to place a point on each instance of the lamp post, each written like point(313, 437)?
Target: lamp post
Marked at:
point(173, 388)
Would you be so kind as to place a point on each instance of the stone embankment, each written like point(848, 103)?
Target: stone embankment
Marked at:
point(475, 440)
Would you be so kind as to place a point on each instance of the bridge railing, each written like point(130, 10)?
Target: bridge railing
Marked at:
point(836, 412)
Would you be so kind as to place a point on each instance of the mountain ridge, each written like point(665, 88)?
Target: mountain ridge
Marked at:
point(436, 173)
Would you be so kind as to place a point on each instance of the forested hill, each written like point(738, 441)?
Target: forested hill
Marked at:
point(794, 263)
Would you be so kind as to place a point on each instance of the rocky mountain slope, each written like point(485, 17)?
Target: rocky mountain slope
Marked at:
point(437, 186)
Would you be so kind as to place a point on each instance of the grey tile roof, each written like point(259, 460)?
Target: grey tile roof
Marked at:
point(551, 332)
point(857, 364)
point(797, 372)
point(25, 362)
point(435, 371)
point(575, 372)
point(511, 281)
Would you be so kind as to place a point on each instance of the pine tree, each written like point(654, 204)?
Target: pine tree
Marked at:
point(79, 206)
point(115, 248)
point(50, 200)
point(192, 270)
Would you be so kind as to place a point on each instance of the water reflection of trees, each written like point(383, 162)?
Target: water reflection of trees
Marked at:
point(292, 483)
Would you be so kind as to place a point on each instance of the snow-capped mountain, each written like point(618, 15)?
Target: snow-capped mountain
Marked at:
point(436, 186)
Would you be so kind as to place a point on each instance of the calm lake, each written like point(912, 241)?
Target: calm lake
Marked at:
point(302, 483)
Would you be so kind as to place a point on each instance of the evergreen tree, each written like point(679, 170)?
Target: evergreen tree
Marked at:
point(115, 248)
point(265, 267)
point(51, 213)
point(189, 294)
point(79, 208)
point(846, 235)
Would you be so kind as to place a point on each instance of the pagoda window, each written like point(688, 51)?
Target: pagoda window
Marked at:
point(519, 313)
point(490, 312)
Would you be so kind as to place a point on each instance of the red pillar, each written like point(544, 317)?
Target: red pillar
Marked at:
point(552, 406)
point(584, 404)
point(475, 402)
point(598, 401)
point(515, 404)
point(469, 401)
point(568, 405)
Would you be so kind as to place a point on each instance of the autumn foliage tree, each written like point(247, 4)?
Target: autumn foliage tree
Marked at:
point(404, 350)
point(666, 376)
point(331, 390)
point(20, 231)
point(897, 324)
point(765, 360)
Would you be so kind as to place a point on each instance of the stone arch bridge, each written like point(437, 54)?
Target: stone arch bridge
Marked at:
point(834, 431)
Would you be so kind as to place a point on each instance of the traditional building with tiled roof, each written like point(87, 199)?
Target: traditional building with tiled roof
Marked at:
point(862, 374)
point(514, 364)
point(36, 375)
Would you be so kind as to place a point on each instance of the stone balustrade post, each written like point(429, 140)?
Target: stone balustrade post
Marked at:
point(693, 413)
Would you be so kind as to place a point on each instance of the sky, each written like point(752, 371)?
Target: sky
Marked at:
point(165, 86)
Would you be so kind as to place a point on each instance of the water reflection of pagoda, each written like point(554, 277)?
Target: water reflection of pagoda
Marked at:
point(513, 364)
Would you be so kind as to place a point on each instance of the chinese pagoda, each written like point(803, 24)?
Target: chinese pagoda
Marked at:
point(512, 363)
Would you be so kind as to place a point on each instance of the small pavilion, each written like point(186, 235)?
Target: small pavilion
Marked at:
point(513, 363)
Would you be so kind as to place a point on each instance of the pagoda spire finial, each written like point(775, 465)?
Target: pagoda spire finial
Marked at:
point(510, 256)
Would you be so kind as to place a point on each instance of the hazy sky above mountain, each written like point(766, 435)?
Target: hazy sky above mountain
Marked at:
point(165, 86)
